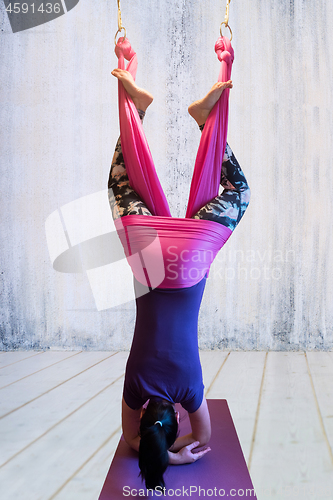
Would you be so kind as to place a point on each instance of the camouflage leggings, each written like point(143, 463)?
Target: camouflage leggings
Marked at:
point(227, 208)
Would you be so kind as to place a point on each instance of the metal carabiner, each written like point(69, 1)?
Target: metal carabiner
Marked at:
point(227, 26)
point(119, 31)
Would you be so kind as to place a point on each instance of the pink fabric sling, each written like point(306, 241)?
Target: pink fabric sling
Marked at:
point(164, 251)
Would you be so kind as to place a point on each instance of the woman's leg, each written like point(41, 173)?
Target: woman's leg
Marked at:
point(122, 197)
point(228, 208)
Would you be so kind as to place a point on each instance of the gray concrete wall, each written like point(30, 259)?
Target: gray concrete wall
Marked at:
point(271, 285)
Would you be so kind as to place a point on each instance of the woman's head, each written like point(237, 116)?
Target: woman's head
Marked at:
point(158, 432)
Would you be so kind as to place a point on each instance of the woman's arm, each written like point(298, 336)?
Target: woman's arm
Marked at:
point(200, 435)
point(201, 428)
point(131, 425)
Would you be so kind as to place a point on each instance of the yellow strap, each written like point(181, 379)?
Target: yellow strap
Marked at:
point(120, 25)
point(226, 20)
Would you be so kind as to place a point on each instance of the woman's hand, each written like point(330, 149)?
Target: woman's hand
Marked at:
point(186, 456)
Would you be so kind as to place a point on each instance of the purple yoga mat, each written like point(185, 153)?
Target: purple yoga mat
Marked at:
point(222, 472)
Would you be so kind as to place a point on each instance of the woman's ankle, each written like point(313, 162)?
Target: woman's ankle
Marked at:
point(141, 114)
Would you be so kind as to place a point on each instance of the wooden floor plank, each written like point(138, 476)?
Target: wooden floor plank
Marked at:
point(32, 387)
point(26, 425)
point(42, 469)
point(211, 362)
point(289, 451)
point(321, 370)
point(239, 383)
point(27, 367)
point(88, 481)
point(11, 357)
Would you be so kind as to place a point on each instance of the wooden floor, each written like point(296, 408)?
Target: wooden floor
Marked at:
point(60, 420)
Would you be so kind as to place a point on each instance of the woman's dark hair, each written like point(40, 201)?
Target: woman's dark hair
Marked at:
point(155, 441)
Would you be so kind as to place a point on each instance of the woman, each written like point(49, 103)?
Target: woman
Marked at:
point(164, 365)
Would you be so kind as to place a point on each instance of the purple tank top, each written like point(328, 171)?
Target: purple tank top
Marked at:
point(164, 358)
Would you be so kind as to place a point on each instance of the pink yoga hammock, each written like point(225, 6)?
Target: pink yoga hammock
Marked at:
point(204, 236)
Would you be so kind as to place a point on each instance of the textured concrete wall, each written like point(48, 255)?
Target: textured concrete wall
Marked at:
point(271, 285)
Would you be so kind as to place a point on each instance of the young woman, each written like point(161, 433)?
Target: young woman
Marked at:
point(164, 366)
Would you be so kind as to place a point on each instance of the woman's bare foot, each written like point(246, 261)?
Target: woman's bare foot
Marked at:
point(199, 110)
point(141, 98)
